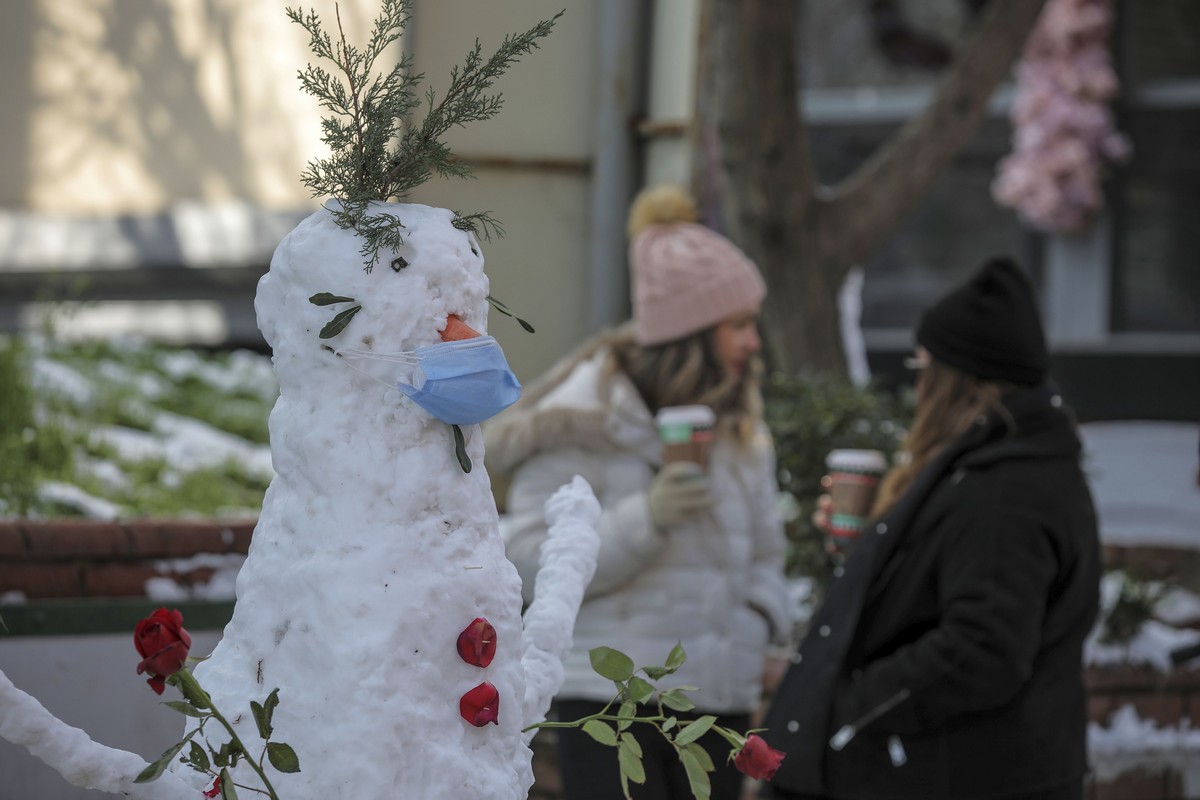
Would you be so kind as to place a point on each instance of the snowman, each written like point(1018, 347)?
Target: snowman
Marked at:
point(376, 596)
point(376, 552)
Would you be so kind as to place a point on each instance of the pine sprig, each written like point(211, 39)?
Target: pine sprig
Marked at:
point(377, 153)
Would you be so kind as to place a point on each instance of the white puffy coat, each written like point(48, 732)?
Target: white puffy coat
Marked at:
point(715, 584)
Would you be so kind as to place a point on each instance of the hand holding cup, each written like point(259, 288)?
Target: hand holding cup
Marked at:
point(686, 433)
point(853, 481)
point(678, 492)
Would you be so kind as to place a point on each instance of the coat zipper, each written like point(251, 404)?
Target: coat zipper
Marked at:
point(848, 732)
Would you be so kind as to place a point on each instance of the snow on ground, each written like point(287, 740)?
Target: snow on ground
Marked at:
point(69, 495)
point(1129, 742)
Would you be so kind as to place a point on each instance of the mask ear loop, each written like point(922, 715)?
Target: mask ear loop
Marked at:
point(403, 357)
point(347, 357)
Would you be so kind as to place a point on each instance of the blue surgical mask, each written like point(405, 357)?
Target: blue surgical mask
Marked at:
point(460, 383)
point(463, 382)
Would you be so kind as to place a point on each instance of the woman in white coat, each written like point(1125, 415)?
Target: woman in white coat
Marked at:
point(688, 554)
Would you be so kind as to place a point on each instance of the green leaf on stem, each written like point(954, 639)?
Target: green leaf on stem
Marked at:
point(611, 664)
point(669, 724)
point(676, 657)
point(601, 732)
point(339, 322)
point(228, 792)
point(701, 755)
point(627, 714)
point(325, 299)
point(656, 673)
point(260, 719)
point(695, 729)
point(283, 757)
point(638, 690)
point(630, 763)
point(676, 700)
point(154, 770)
point(185, 708)
point(697, 775)
point(198, 758)
point(264, 712)
point(630, 741)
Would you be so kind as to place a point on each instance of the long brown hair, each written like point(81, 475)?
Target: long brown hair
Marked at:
point(948, 403)
point(686, 372)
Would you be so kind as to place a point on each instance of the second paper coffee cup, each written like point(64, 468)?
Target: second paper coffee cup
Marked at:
point(686, 433)
point(853, 482)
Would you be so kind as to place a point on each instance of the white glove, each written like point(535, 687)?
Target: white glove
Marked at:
point(678, 492)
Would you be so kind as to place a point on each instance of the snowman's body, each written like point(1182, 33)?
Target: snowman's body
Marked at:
point(374, 549)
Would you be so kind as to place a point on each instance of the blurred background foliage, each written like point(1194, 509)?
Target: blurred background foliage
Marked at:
point(809, 416)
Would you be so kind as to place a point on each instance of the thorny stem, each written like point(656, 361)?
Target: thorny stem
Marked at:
point(186, 677)
point(601, 716)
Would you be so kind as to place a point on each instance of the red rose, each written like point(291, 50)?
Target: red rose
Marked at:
point(477, 643)
point(481, 705)
point(163, 645)
point(758, 759)
point(216, 788)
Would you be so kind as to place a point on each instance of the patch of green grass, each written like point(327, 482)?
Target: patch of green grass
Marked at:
point(47, 427)
point(31, 449)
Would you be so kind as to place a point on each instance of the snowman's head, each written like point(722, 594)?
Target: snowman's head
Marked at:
point(412, 324)
point(318, 298)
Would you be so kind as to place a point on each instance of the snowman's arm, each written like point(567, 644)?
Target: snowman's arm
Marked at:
point(568, 559)
point(72, 753)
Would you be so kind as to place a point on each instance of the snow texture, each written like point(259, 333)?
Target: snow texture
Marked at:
point(566, 563)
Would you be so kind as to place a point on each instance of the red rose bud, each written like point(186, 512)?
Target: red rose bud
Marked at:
point(163, 645)
point(481, 705)
point(477, 643)
point(758, 759)
point(216, 788)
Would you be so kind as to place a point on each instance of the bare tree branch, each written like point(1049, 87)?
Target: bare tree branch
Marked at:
point(866, 207)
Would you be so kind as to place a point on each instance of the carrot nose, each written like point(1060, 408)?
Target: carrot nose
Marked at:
point(456, 330)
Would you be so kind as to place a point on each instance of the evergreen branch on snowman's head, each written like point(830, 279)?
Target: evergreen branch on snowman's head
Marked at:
point(377, 151)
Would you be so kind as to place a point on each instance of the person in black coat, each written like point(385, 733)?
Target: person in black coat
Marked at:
point(946, 659)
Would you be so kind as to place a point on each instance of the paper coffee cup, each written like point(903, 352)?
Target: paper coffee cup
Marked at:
point(686, 433)
point(854, 477)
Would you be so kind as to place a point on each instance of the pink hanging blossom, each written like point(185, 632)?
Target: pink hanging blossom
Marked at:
point(1063, 129)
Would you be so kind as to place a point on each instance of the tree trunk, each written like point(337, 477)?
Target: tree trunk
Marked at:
point(753, 174)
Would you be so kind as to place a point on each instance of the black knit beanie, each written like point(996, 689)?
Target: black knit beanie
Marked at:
point(989, 327)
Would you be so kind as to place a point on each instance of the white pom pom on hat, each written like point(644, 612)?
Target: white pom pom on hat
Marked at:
point(686, 277)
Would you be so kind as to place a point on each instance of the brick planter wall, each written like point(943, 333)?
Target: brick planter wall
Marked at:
point(70, 559)
point(78, 560)
point(1167, 699)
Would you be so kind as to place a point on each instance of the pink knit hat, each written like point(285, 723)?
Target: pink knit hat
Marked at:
point(686, 278)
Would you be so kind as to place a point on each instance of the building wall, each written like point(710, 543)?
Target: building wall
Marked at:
point(154, 152)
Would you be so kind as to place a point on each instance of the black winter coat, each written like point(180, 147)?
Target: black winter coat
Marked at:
point(952, 639)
